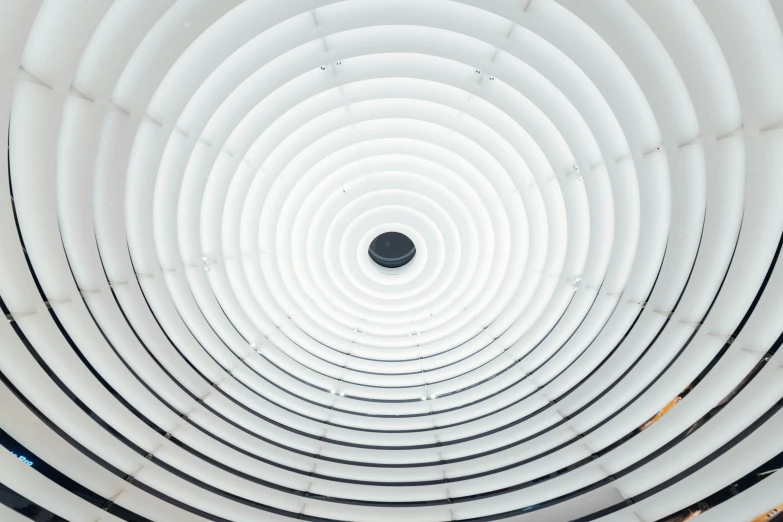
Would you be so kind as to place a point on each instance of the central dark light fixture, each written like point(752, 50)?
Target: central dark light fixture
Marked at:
point(392, 250)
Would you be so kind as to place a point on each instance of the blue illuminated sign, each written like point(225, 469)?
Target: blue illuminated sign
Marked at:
point(23, 459)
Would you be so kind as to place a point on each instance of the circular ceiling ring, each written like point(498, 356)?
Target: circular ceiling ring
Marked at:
point(584, 323)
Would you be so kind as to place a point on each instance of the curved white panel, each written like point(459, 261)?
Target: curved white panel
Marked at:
point(194, 327)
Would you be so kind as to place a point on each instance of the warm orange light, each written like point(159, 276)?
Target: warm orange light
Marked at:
point(660, 414)
point(769, 515)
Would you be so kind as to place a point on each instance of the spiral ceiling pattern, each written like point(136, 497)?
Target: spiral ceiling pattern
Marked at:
point(194, 329)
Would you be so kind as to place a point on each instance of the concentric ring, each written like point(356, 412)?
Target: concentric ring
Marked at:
point(199, 323)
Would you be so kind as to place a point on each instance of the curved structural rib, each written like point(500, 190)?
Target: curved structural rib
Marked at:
point(391, 260)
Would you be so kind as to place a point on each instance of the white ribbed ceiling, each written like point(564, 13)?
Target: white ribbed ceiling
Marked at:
point(195, 330)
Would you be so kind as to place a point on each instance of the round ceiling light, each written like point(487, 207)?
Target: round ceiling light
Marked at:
point(392, 250)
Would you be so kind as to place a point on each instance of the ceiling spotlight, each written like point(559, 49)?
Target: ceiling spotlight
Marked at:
point(333, 392)
point(392, 250)
point(342, 394)
point(208, 269)
point(253, 345)
point(424, 398)
point(204, 258)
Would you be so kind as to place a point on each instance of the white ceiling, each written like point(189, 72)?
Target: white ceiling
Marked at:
point(195, 330)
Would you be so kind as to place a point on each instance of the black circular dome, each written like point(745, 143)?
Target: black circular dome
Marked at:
point(392, 250)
